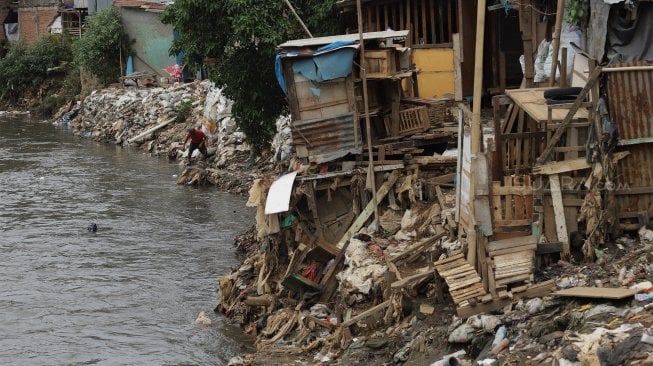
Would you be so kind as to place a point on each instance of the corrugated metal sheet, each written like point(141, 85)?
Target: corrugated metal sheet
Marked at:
point(630, 95)
point(328, 139)
point(319, 41)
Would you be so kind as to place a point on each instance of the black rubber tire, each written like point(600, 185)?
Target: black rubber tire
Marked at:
point(557, 92)
point(561, 99)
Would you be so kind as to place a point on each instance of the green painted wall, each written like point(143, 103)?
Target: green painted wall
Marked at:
point(152, 40)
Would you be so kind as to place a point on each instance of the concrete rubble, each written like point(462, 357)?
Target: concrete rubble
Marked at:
point(119, 115)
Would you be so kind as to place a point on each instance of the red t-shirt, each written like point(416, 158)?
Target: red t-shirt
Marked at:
point(196, 136)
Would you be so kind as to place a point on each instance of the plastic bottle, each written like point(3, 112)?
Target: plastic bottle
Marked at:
point(499, 347)
point(500, 335)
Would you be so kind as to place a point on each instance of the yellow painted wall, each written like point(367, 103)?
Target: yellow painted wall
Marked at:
point(435, 79)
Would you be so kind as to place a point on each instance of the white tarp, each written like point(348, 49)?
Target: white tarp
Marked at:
point(279, 195)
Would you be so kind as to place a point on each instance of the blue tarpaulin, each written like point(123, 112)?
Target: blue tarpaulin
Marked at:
point(330, 62)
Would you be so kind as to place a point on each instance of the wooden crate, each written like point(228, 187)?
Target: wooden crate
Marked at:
point(511, 260)
point(512, 206)
point(411, 121)
point(380, 63)
point(439, 110)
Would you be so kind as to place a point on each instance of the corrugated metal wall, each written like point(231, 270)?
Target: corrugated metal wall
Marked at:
point(630, 96)
point(328, 139)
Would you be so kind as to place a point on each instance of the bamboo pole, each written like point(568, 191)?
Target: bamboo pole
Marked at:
point(292, 9)
point(368, 129)
point(556, 42)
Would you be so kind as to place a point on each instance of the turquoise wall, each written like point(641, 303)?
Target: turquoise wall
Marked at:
point(152, 40)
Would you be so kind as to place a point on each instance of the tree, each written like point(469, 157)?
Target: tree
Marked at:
point(242, 36)
point(98, 50)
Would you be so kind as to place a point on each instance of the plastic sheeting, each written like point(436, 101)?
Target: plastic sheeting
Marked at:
point(630, 40)
point(278, 199)
point(330, 62)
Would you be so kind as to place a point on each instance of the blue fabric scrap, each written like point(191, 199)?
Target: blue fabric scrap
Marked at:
point(329, 62)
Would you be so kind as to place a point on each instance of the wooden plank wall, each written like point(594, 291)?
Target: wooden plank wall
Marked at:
point(430, 22)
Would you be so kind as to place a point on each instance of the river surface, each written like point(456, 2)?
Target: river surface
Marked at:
point(127, 294)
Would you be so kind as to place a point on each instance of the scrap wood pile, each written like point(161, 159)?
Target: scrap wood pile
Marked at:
point(319, 274)
point(599, 315)
point(317, 278)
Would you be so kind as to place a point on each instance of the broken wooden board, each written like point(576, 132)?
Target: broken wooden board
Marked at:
point(566, 166)
point(597, 292)
point(463, 280)
point(366, 313)
point(537, 290)
point(496, 245)
point(369, 210)
point(417, 247)
point(420, 276)
point(426, 160)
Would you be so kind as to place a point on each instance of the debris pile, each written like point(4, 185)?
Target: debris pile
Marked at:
point(153, 119)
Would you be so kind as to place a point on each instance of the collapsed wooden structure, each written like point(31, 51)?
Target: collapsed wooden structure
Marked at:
point(470, 209)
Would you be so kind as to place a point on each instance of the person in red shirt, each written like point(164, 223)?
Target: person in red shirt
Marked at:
point(197, 141)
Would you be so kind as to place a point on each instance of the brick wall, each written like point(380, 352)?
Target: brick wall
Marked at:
point(34, 22)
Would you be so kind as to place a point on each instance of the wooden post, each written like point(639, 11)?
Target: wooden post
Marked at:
point(525, 20)
point(478, 79)
point(459, 164)
point(563, 67)
point(556, 42)
point(457, 73)
point(476, 120)
point(558, 209)
point(368, 129)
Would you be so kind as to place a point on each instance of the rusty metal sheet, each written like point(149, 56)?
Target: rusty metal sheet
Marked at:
point(328, 139)
point(631, 107)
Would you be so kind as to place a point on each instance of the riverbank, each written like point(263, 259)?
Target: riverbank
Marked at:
point(149, 119)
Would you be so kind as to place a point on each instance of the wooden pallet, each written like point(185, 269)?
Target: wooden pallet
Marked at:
point(512, 260)
point(512, 207)
point(411, 121)
point(463, 280)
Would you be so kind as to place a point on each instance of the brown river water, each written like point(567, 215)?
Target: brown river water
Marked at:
point(127, 294)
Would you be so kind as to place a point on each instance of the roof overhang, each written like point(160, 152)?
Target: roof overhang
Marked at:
point(321, 41)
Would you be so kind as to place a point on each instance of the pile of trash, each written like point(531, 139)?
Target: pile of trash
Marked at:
point(407, 328)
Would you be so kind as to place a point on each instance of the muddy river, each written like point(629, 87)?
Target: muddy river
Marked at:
point(127, 294)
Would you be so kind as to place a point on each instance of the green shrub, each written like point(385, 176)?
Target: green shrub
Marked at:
point(99, 48)
point(52, 103)
point(26, 67)
point(184, 110)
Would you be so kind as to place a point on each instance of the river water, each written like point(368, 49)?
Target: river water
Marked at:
point(127, 294)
